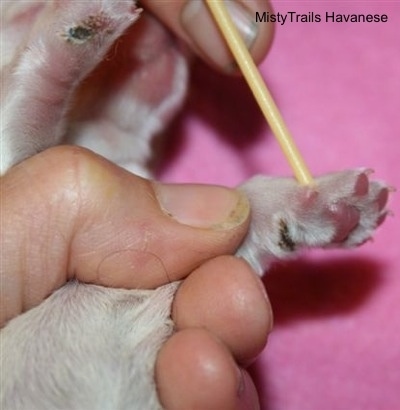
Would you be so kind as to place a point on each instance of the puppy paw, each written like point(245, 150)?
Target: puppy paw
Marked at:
point(341, 210)
point(62, 42)
point(355, 206)
point(97, 22)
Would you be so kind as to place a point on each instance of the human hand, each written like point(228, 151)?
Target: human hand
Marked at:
point(55, 218)
point(68, 213)
point(191, 22)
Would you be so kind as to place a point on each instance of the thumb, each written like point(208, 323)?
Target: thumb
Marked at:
point(68, 213)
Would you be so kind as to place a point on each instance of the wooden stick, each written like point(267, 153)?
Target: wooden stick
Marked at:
point(260, 90)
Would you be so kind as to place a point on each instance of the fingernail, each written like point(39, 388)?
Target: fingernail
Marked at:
point(201, 28)
point(241, 384)
point(244, 21)
point(246, 392)
point(203, 206)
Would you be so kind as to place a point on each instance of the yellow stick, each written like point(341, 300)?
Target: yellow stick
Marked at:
point(260, 90)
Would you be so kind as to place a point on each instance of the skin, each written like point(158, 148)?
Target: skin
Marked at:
point(53, 214)
point(170, 13)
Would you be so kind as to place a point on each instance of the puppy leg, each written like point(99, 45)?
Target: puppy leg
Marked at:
point(66, 40)
point(341, 210)
point(130, 97)
point(86, 347)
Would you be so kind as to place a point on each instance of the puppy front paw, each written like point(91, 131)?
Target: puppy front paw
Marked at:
point(341, 210)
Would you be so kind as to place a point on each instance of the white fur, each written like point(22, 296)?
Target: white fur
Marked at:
point(83, 349)
point(88, 347)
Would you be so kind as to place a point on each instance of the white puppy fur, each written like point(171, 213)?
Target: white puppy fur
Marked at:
point(87, 347)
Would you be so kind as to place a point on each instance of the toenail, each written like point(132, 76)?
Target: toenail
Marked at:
point(381, 218)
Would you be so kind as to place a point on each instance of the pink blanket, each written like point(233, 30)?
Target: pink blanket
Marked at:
point(336, 343)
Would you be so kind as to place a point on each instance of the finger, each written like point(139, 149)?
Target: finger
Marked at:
point(225, 297)
point(70, 213)
point(248, 393)
point(215, 381)
point(192, 22)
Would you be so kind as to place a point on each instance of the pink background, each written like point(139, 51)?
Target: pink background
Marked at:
point(336, 342)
